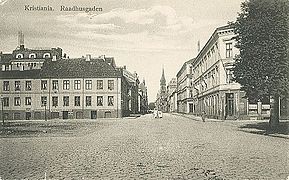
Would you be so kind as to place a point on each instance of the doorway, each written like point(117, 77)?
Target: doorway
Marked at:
point(107, 114)
point(93, 114)
point(229, 104)
point(65, 114)
point(28, 115)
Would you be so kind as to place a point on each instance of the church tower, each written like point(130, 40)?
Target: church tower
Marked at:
point(163, 82)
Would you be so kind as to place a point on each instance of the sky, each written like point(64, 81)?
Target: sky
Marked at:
point(144, 35)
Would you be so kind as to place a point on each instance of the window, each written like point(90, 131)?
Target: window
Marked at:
point(77, 101)
point(28, 101)
point(28, 85)
point(110, 101)
point(229, 76)
point(66, 84)
point(17, 101)
point(77, 84)
point(43, 100)
point(46, 55)
point(54, 84)
point(19, 56)
point(6, 86)
point(99, 84)
point(99, 100)
point(229, 50)
point(191, 93)
point(88, 100)
point(32, 56)
point(6, 101)
point(88, 84)
point(54, 101)
point(110, 84)
point(65, 100)
point(44, 85)
point(17, 86)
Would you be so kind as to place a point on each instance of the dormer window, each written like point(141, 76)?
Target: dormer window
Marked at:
point(46, 55)
point(32, 56)
point(19, 56)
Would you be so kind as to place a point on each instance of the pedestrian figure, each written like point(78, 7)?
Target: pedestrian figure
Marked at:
point(155, 113)
point(203, 116)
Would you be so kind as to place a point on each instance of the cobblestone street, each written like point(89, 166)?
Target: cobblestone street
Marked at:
point(173, 147)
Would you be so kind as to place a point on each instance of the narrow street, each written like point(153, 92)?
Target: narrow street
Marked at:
point(145, 148)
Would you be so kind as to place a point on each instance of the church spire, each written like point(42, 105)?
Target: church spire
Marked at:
point(163, 79)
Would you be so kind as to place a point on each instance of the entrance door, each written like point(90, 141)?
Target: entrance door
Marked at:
point(229, 104)
point(28, 115)
point(107, 114)
point(37, 115)
point(65, 114)
point(79, 115)
point(93, 114)
point(191, 108)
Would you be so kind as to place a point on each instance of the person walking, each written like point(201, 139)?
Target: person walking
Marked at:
point(203, 116)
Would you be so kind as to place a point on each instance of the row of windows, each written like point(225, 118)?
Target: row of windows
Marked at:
point(32, 56)
point(88, 101)
point(66, 85)
point(205, 63)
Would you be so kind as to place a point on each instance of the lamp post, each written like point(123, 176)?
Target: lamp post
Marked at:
point(45, 110)
point(2, 106)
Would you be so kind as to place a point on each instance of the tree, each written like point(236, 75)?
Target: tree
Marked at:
point(152, 105)
point(262, 66)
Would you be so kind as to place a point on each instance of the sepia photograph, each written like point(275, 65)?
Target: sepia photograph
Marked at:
point(144, 89)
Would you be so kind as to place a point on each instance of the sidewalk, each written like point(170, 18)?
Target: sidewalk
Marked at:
point(196, 118)
point(250, 126)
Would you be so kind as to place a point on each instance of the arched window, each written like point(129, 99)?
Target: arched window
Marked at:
point(46, 55)
point(32, 56)
point(19, 56)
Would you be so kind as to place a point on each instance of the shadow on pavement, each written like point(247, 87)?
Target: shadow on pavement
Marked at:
point(48, 128)
point(263, 128)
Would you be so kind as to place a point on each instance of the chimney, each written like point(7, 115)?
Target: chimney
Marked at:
point(21, 40)
point(54, 58)
point(102, 57)
point(199, 45)
point(124, 67)
point(88, 57)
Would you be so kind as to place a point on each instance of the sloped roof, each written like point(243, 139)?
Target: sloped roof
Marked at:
point(5, 58)
point(29, 74)
point(72, 68)
point(66, 68)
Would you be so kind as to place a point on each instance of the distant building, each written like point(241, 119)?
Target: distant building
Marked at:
point(172, 95)
point(130, 94)
point(185, 88)
point(161, 102)
point(143, 98)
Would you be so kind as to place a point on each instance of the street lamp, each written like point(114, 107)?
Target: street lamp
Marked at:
point(45, 109)
point(2, 105)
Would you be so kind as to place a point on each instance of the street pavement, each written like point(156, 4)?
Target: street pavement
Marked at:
point(172, 147)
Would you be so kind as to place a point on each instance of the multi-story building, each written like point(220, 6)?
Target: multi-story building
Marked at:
point(41, 83)
point(64, 88)
point(132, 88)
point(143, 98)
point(172, 95)
point(215, 92)
point(161, 101)
point(185, 88)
